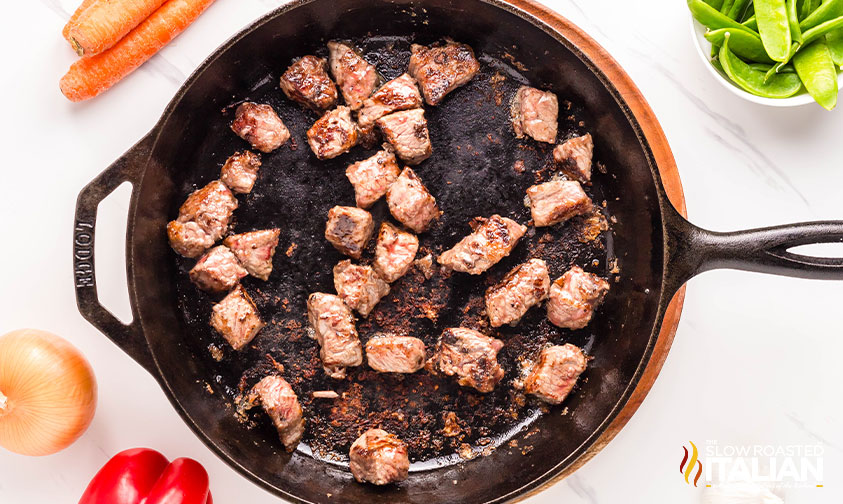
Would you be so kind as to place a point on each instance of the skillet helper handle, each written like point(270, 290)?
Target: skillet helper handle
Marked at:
point(128, 168)
point(765, 250)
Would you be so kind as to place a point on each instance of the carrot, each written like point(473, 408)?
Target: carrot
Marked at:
point(103, 24)
point(75, 18)
point(89, 77)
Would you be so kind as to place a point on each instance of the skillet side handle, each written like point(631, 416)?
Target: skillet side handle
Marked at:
point(692, 250)
point(129, 168)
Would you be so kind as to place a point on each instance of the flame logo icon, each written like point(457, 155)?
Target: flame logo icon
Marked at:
point(687, 466)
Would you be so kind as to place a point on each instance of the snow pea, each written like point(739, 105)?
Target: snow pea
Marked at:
point(834, 40)
point(808, 6)
point(751, 23)
point(724, 9)
point(829, 10)
point(711, 18)
point(715, 4)
point(737, 10)
point(748, 13)
point(793, 21)
point(818, 73)
point(773, 27)
point(751, 80)
point(747, 45)
point(822, 30)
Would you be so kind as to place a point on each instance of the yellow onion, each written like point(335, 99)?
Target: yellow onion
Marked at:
point(48, 392)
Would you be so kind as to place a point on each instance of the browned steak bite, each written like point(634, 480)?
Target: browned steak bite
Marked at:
point(240, 171)
point(379, 457)
point(203, 219)
point(470, 356)
point(255, 250)
point(441, 68)
point(575, 155)
point(407, 132)
point(372, 177)
point(260, 126)
point(188, 238)
point(333, 324)
point(282, 405)
point(236, 318)
point(349, 229)
point(355, 76)
point(534, 113)
point(492, 240)
point(556, 373)
point(521, 289)
point(395, 354)
point(333, 134)
point(306, 81)
point(557, 201)
point(410, 202)
point(359, 286)
point(400, 93)
point(218, 270)
point(395, 251)
point(573, 298)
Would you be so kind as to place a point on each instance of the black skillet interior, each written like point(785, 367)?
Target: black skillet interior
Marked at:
point(471, 173)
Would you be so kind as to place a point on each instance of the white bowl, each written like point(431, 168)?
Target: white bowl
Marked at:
point(704, 50)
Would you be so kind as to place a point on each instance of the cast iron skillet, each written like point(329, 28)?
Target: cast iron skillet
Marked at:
point(657, 248)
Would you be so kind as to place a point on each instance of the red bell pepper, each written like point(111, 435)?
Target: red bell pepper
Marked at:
point(145, 476)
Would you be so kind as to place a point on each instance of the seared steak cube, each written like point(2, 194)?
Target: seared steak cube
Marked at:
point(203, 219)
point(240, 171)
point(236, 318)
point(255, 250)
point(575, 155)
point(410, 202)
point(492, 240)
point(355, 76)
point(188, 238)
point(441, 68)
point(573, 298)
point(333, 324)
point(557, 201)
point(306, 81)
point(379, 457)
point(333, 134)
point(349, 229)
point(556, 373)
point(395, 354)
point(282, 405)
point(470, 356)
point(372, 177)
point(521, 289)
point(260, 126)
point(400, 93)
point(407, 132)
point(535, 113)
point(359, 286)
point(395, 251)
point(218, 270)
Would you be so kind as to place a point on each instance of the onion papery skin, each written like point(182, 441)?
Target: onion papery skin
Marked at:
point(50, 393)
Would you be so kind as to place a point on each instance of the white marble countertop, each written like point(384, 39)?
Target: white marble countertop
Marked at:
point(756, 358)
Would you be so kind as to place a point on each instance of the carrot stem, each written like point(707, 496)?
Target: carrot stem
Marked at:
point(103, 24)
point(91, 76)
